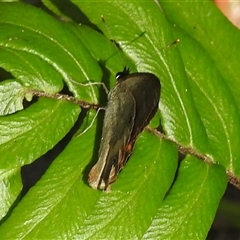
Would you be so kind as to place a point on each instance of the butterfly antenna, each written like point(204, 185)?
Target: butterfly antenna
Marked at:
point(117, 46)
point(170, 45)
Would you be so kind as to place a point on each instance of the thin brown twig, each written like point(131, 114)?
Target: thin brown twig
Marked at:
point(235, 181)
point(59, 96)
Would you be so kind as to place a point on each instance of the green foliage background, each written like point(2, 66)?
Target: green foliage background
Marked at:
point(199, 109)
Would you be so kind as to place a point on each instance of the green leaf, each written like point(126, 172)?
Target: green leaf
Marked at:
point(182, 215)
point(48, 39)
point(109, 57)
point(222, 44)
point(30, 70)
point(23, 141)
point(11, 97)
point(215, 103)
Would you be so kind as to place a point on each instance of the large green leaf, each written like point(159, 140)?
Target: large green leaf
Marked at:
point(215, 103)
point(187, 214)
point(222, 43)
point(23, 139)
point(198, 111)
point(30, 70)
point(31, 30)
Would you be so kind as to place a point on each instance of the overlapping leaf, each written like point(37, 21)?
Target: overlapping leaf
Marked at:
point(48, 39)
point(219, 37)
point(189, 213)
point(215, 103)
point(23, 139)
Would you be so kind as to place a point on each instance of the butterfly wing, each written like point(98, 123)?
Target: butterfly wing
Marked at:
point(117, 127)
point(146, 89)
point(132, 104)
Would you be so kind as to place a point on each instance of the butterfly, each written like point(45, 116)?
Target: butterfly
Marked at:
point(132, 103)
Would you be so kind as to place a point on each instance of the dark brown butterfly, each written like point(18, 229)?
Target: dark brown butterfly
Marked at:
point(132, 103)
